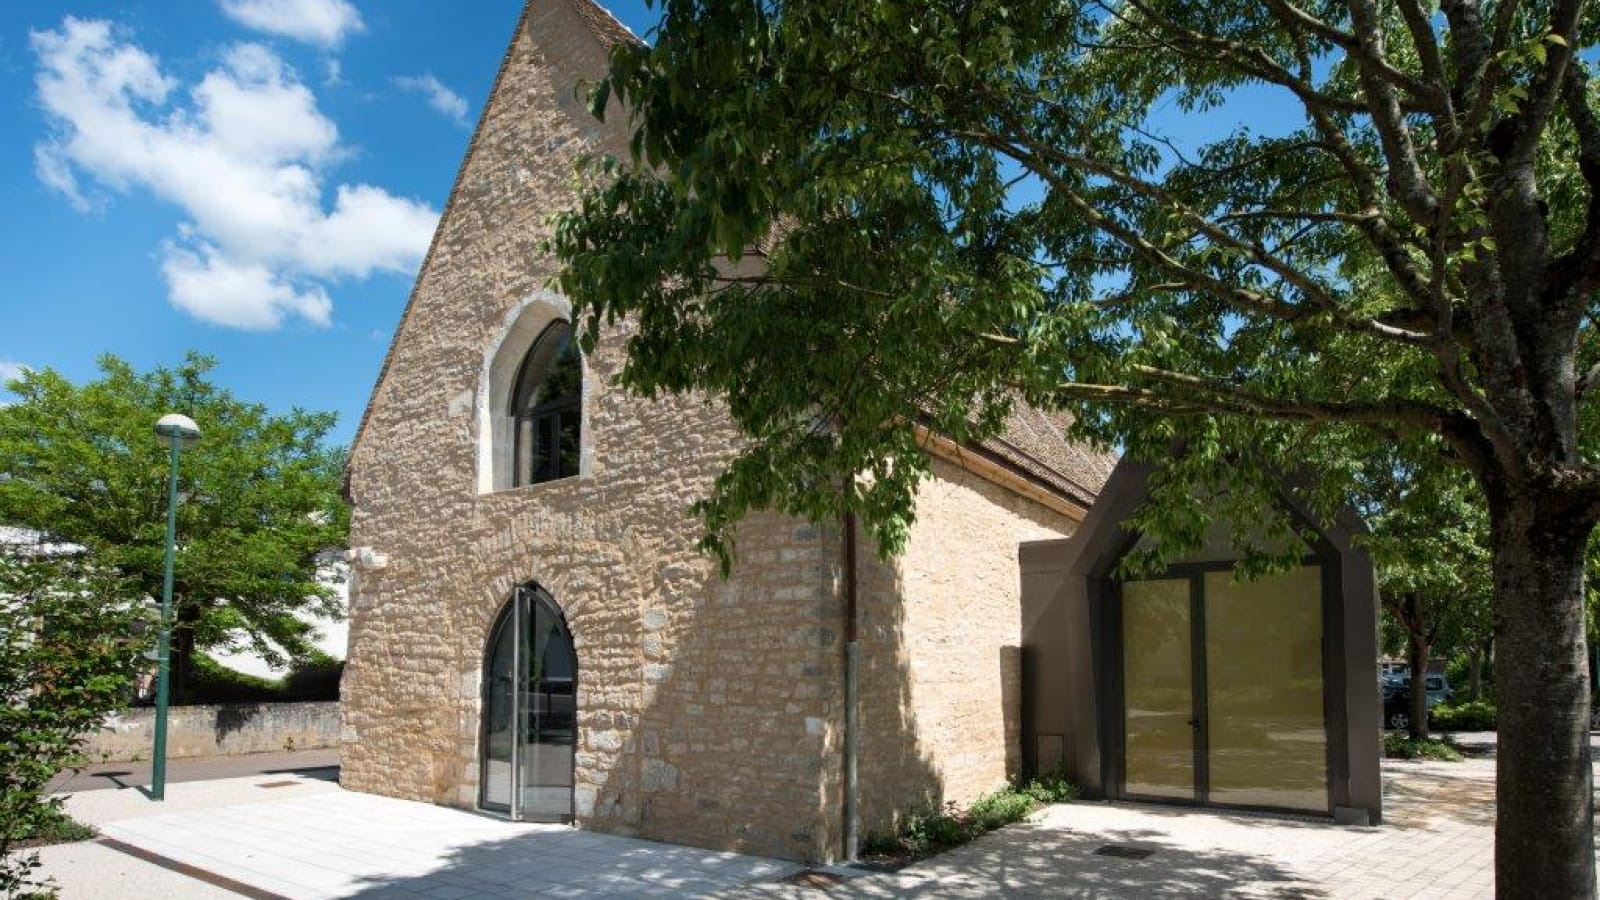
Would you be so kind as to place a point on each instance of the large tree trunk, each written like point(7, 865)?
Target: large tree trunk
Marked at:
point(1544, 834)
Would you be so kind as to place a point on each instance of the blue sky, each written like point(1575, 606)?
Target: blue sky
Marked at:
point(254, 179)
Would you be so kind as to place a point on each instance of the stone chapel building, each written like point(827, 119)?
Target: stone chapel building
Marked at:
point(533, 632)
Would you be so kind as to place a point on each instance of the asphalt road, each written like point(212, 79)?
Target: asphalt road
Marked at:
point(312, 763)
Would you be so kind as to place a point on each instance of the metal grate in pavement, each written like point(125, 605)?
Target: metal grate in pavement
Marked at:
point(1124, 851)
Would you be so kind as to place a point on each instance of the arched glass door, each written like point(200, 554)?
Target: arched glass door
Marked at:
point(530, 681)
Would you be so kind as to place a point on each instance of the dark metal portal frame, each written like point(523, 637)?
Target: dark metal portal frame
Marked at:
point(517, 614)
point(1114, 713)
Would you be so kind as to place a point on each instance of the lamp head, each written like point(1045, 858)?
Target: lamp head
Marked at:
point(173, 425)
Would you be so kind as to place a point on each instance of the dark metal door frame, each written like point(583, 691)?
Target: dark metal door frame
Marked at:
point(518, 616)
point(1114, 764)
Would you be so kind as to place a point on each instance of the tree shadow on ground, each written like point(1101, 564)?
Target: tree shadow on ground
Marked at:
point(570, 863)
point(1028, 860)
point(1034, 860)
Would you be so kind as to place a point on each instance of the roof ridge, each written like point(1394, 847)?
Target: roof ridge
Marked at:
point(438, 232)
point(604, 23)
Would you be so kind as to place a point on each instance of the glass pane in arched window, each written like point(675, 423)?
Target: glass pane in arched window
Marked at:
point(547, 408)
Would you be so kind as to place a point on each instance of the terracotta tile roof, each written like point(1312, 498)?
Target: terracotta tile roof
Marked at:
point(1035, 443)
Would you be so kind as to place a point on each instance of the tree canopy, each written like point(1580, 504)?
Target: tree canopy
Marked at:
point(71, 641)
point(82, 466)
point(1279, 234)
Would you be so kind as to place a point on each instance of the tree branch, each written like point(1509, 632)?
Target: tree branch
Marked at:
point(1407, 181)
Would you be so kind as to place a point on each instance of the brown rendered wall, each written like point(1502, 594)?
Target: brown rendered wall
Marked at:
point(940, 676)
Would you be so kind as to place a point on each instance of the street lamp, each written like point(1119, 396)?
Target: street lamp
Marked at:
point(179, 432)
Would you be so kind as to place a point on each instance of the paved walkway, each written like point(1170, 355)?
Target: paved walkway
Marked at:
point(300, 837)
point(321, 841)
point(1437, 842)
point(1425, 854)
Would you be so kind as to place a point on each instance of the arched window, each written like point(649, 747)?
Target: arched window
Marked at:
point(547, 409)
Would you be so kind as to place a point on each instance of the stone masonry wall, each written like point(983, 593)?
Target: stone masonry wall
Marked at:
point(940, 636)
point(705, 707)
point(709, 710)
point(221, 730)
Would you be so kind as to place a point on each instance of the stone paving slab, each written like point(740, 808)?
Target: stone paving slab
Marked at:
point(1437, 842)
point(89, 870)
point(341, 844)
point(315, 840)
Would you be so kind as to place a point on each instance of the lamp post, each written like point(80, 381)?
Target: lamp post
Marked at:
point(179, 432)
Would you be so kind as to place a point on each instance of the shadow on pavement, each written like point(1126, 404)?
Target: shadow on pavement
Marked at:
point(576, 864)
point(1021, 861)
point(320, 773)
point(1041, 861)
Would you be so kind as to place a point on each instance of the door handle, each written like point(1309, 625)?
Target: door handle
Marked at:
point(1194, 723)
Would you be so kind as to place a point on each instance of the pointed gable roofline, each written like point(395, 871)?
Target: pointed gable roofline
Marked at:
point(608, 32)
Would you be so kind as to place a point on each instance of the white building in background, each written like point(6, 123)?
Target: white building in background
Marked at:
point(332, 635)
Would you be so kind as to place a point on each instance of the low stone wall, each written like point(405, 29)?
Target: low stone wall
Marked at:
point(217, 730)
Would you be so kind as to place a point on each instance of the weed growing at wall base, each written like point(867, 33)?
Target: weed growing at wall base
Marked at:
point(924, 833)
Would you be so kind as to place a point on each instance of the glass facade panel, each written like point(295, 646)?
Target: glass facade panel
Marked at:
point(498, 733)
point(1266, 736)
point(1158, 693)
point(547, 408)
point(529, 712)
point(549, 707)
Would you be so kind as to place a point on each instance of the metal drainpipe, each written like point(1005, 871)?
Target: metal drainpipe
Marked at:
point(852, 816)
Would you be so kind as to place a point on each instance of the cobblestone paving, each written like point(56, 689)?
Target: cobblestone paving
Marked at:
point(1438, 842)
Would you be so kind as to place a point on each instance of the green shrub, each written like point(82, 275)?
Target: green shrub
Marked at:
point(1398, 745)
point(1054, 787)
point(1473, 715)
point(314, 680)
point(51, 826)
point(214, 682)
point(929, 831)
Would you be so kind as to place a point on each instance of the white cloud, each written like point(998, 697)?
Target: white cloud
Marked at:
point(242, 154)
point(439, 97)
point(324, 23)
point(215, 288)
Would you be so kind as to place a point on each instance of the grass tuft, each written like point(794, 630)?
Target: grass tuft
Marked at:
point(1399, 745)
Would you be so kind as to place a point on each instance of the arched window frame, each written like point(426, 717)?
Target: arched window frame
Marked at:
point(493, 431)
point(533, 416)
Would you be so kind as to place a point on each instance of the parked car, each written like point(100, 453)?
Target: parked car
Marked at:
point(1397, 698)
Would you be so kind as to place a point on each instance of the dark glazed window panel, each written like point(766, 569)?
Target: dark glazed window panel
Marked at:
point(547, 406)
point(1158, 688)
point(1267, 737)
point(499, 685)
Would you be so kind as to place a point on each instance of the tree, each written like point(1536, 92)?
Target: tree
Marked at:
point(70, 645)
point(260, 500)
point(1287, 231)
point(1429, 538)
